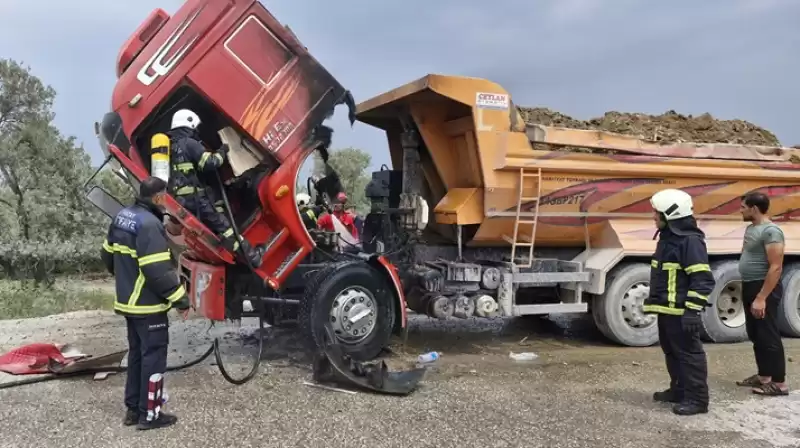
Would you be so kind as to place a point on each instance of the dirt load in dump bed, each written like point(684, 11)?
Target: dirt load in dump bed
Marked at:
point(667, 127)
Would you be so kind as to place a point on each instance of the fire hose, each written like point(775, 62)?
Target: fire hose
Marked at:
point(217, 356)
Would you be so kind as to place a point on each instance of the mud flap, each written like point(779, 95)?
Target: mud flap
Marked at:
point(332, 365)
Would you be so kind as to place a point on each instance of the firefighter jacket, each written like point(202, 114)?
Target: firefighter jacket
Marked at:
point(310, 216)
point(680, 277)
point(135, 251)
point(189, 158)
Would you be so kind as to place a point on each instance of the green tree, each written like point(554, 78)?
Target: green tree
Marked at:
point(41, 180)
point(115, 186)
point(352, 165)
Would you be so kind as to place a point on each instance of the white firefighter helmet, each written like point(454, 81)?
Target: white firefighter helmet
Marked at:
point(185, 118)
point(672, 203)
point(302, 199)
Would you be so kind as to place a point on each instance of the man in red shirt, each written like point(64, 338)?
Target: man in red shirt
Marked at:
point(325, 222)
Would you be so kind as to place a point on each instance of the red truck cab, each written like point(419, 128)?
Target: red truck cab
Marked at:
point(241, 71)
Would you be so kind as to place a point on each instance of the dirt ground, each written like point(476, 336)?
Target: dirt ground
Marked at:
point(579, 392)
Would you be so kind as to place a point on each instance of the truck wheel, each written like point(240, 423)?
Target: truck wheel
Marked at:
point(788, 313)
point(358, 303)
point(618, 312)
point(724, 320)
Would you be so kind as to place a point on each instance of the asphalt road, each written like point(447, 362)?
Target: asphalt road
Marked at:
point(580, 392)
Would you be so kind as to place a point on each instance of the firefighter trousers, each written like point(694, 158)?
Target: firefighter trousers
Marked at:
point(148, 338)
point(206, 207)
point(203, 208)
point(686, 360)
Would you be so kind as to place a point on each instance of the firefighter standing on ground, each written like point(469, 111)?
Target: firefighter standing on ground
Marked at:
point(136, 253)
point(680, 283)
point(188, 159)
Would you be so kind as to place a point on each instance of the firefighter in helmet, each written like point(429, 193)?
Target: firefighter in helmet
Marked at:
point(680, 283)
point(189, 159)
point(310, 214)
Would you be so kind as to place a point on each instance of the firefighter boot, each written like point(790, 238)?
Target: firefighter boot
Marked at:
point(253, 255)
point(689, 408)
point(667, 396)
point(131, 417)
point(162, 421)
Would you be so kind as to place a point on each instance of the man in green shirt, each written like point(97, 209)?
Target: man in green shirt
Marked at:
point(760, 266)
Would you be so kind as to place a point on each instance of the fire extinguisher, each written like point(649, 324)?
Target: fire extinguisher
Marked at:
point(159, 156)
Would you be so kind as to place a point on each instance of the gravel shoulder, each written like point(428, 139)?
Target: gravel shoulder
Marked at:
point(578, 393)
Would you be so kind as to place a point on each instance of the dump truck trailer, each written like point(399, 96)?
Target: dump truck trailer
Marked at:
point(510, 222)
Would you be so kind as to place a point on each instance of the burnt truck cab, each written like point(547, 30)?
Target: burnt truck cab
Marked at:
point(257, 89)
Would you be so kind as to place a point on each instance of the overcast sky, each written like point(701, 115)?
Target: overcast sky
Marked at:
point(732, 58)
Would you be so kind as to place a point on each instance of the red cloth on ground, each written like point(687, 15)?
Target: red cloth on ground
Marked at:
point(31, 358)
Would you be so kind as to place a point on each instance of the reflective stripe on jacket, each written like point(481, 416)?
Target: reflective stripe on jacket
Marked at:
point(309, 217)
point(680, 277)
point(136, 252)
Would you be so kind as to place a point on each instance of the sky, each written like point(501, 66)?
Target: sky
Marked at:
point(731, 58)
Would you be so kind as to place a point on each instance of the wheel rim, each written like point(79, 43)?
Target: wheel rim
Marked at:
point(353, 315)
point(632, 307)
point(730, 306)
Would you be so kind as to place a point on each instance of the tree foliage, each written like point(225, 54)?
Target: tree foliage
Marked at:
point(47, 224)
point(351, 164)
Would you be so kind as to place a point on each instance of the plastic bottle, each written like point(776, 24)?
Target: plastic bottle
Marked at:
point(428, 358)
point(525, 356)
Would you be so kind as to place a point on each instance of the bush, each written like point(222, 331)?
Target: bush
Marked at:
point(20, 300)
point(42, 261)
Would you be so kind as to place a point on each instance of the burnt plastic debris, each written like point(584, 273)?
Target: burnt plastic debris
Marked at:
point(332, 365)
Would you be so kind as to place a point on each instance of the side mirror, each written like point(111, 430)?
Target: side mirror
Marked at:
point(101, 199)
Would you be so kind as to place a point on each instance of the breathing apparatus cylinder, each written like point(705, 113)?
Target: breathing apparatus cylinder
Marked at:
point(159, 156)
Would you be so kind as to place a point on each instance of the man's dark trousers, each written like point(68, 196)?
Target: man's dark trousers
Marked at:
point(686, 360)
point(148, 338)
point(764, 333)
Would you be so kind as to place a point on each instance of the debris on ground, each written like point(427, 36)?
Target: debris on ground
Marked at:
point(333, 365)
point(524, 356)
point(427, 358)
point(669, 127)
point(324, 387)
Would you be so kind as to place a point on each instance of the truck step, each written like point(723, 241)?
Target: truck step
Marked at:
point(550, 308)
point(287, 261)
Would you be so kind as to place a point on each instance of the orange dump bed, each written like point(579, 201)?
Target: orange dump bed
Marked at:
point(478, 152)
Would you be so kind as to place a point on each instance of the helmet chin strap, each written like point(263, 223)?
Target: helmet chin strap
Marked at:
point(663, 223)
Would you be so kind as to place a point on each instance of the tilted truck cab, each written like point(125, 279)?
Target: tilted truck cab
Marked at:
point(257, 89)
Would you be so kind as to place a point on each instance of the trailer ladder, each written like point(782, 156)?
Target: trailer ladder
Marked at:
point(515, 240)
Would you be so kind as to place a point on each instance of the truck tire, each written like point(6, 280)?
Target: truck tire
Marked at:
point(618, 312)
point(343, 291)
point(788, 313)
point(723, 322)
